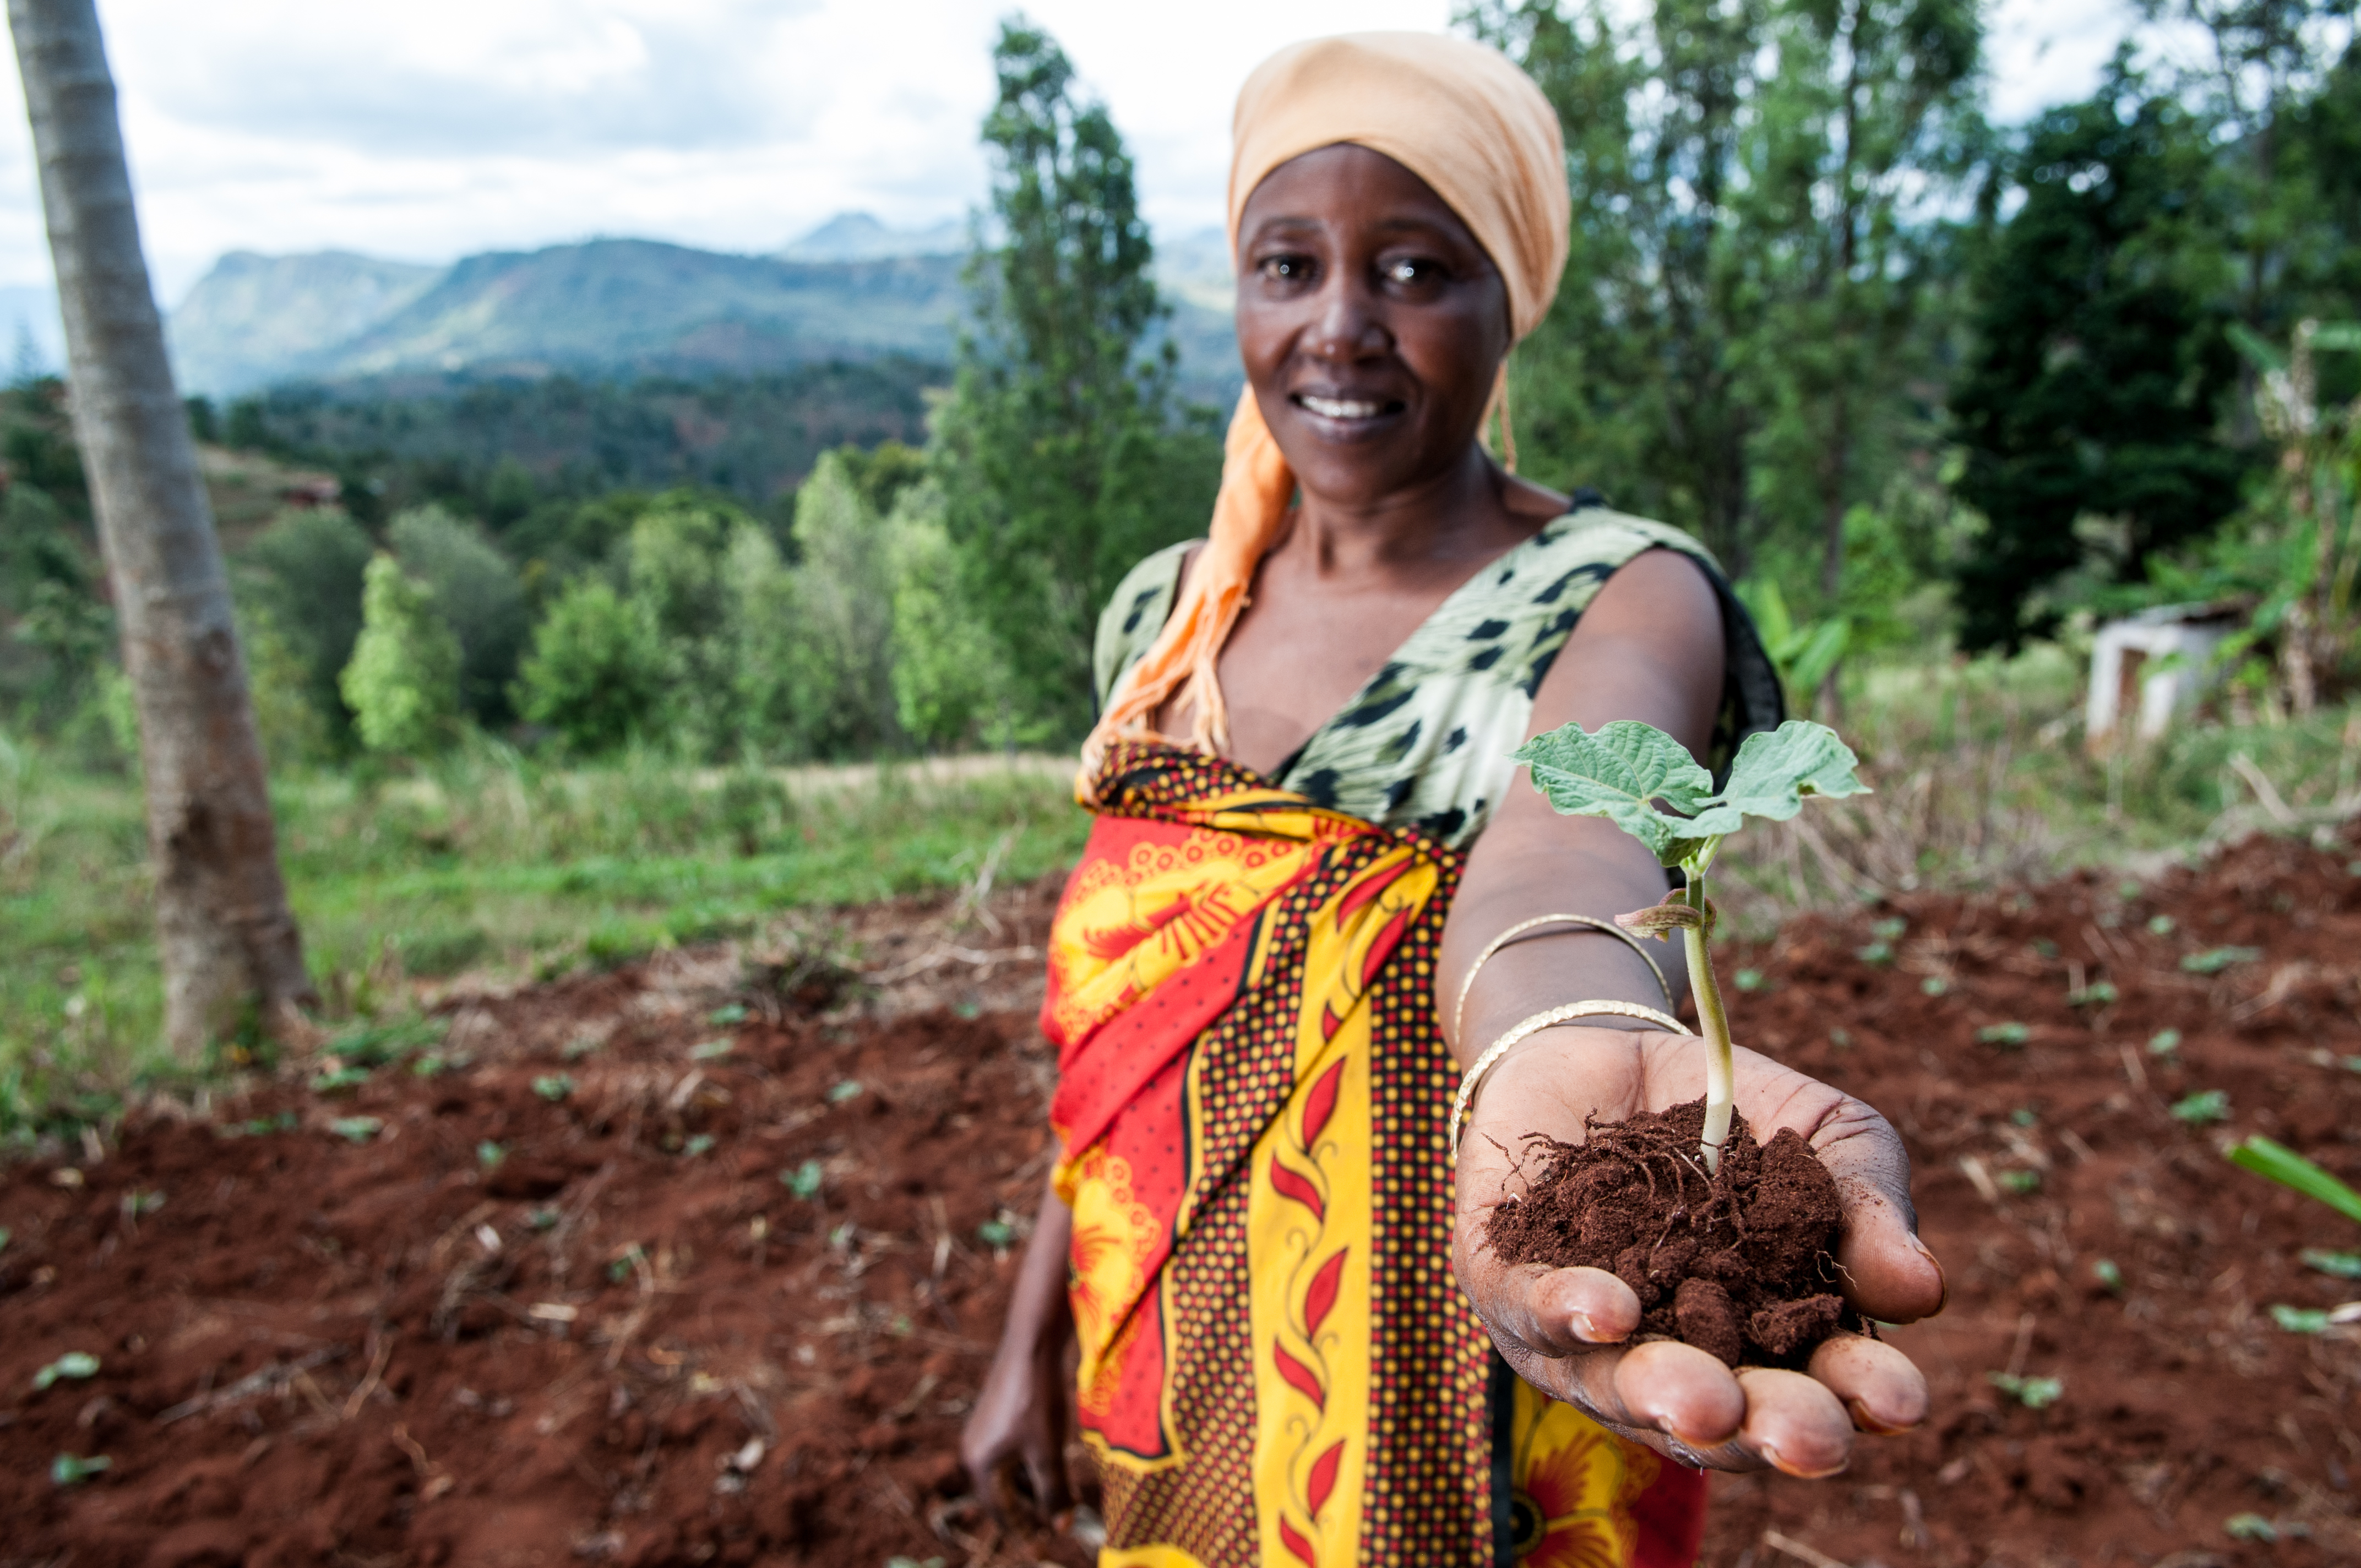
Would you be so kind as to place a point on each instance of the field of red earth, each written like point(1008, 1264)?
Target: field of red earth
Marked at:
point(701, 1260)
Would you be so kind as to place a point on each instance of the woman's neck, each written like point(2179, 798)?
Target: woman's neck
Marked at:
point(1470, 511)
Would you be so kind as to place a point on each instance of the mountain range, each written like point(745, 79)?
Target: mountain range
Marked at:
point(852, 290)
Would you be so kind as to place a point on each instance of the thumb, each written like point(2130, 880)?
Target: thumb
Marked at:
point(1889, 1273)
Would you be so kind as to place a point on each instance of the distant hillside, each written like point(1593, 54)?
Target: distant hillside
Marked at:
point(859, 236)
point(256, 319)
point(604, 308)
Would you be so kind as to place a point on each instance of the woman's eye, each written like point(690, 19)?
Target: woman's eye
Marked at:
point(1293, 269)
point(1410, 271)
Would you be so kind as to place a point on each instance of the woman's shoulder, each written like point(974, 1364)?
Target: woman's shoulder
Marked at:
point(1135, 612)
point(1591, 531)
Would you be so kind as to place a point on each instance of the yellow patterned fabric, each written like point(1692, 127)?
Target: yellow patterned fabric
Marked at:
point(1276, 1365)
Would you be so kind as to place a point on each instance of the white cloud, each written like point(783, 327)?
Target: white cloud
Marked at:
point(433, 128)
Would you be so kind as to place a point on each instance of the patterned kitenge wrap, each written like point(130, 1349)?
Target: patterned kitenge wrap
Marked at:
point(1277, 1367)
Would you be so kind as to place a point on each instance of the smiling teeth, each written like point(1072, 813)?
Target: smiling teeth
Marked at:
point(1336, 408)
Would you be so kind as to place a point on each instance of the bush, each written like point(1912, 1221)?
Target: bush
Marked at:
point(594, 673)
point(478, 596)
point(303, 574)
point(947, 679)
point(403, 681)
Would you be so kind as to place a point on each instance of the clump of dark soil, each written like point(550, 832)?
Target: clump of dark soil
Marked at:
point(1739, 1263)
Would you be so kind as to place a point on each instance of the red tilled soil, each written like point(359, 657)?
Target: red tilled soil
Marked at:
point(617, 1343)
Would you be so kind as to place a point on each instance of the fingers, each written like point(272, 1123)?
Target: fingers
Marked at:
point(1879, 1388)
point(1561, 1311)
point(1681, 1391)
point(1794, 1423)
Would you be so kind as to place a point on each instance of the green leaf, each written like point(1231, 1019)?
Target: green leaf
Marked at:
point(2337, 335)
point(701, 1143)
point(356, 1129)
point(2004, 1035)
point(805, 1181)
point(1775, 771)
point(1617, 773)
point(2249, 1527)
point(2300, 1320)
point(2206, 1105)
point(74, 1364)
point(2109, 1275)
point(2277, 1162)
point(2021, 1181)
point(2214, 960)
point(2033, 1393)
point(2164, 1042)
point(67, 1470)
point(847, 1089)
point(554, 1086)
point(2260, 350)
point(2341, 1265)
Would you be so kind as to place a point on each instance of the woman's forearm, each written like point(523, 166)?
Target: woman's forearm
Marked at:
point(1039, 1315)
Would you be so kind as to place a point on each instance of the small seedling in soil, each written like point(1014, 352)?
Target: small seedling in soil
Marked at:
point(805, 1181)
point(1875, 953)
point(2025, 1116)
point(2098, 994)
point(68, 1470)
point(2214, 960)
point(576, 1050)
point(2021, 1182)
point(2164, 1042)
point(996, 1234)
point(1935, 985)
point(356, 1129)
point(726, 1015)
point(2301, 1320)
point(2010, 1035)
point(847, 1089)
point(1724, 1240)
point(74, 1364)
point(2162, 925)
point(2205, 1105)
point(2249, 1527)
point(2033, 1393)
point(701, 1143)
point(2335, 1265)
point(711, 1050)
point(489, 1153)
point(339, 1079)
point(554, 1086)
point(542, 1219)
point(1748, 980)
point(2109, 1275)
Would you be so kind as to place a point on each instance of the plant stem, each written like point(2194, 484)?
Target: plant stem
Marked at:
point(1720, 1077)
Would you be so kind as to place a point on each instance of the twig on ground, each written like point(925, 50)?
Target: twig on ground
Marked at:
point(250, 1385)
point(1801, 1553)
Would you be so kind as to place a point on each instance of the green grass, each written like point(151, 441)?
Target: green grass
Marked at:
point(482, 862)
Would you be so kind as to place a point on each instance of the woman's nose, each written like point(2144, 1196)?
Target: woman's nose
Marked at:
point(1348, 326)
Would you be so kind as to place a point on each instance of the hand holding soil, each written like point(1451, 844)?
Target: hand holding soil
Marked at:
point(1566, 1331)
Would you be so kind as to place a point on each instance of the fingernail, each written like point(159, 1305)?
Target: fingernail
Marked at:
point(1942, 1279)
point(1784, 1468)
point(1586, 1329)
point(1872, 1425)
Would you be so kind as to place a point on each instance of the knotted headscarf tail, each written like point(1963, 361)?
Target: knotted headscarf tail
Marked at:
point(1461, 117)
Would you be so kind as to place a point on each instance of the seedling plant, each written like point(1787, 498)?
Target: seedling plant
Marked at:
point(1630, 773)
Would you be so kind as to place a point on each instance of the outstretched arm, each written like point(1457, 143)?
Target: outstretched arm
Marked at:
point(1650, 647)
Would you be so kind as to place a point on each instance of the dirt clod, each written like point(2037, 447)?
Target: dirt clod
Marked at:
point(1733, 1263)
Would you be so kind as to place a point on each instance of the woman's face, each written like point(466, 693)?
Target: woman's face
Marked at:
point(1370, 321)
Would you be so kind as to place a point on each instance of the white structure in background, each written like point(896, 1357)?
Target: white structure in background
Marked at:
point(2144, 670)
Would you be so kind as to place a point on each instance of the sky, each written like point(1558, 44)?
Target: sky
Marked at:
point(435, 128)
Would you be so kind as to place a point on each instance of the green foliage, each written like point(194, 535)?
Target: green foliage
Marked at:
point(805, 1180)
point(476, 593)
point(299, 582)
point(2033, 1393)
point(76, 1364)
point(1622, 770)
point(2204, 1106)
point(840, 657)
point(593, 673)
point(2276, 1162)
point(402, 684)
point(1805, 654)
point(2099, 364)
point(69, 1470)
point(1759, 264)
point(949, 684)
point(1060, 457)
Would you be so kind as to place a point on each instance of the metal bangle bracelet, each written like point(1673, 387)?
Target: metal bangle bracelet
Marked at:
point(1535, 1025)
point(1459, 1010)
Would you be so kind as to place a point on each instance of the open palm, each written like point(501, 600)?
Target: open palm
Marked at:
point(1563, 1330)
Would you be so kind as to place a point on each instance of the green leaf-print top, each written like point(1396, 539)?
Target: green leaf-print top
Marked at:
point(1426, 742)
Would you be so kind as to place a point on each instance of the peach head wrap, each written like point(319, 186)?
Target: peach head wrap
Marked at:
point(1471, 124)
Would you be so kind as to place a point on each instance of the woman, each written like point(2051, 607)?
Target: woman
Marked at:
point(1248, 1231)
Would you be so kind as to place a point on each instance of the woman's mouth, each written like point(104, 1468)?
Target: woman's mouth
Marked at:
point(1347, 409)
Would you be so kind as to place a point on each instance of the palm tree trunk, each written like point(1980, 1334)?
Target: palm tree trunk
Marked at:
point(224, 935)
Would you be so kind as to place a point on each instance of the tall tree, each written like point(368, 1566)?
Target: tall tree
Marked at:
point(1756, 263)
point(225, 934)
point(1061, 455)
point(2098, 368)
